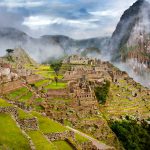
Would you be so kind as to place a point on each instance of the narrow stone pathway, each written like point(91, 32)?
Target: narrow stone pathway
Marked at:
point(98, 144)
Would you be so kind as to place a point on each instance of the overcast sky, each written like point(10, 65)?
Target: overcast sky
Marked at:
point(78, 19)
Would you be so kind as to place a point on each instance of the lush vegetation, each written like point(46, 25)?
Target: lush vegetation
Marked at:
point(41, 83)
point(47, 125)
point(26, 97)
point(40, 141)
point(62, 145)
point(59, 85)
point(3, 103)
point(56, 66)
point(80, 138)
point(16, 93)
point(132, 135)
point(10, 135)
point(102, 92)
point(24, 115)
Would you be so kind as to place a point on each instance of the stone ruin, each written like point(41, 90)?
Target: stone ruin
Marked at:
point(59, 93)
point(28, 124)
point(79, 60)
point(60, 136)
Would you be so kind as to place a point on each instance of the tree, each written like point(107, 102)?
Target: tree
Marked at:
point(133, 136)
point(102, 92)
point(56, 66)
point(9, 51)
point(56, 80)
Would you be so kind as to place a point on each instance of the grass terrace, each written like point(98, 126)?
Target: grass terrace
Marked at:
point(42, 82)
point(80, 138)
point(38, 108)
point(24, 115)
point(3, 103)
point(39, 100)
point(62, 145)
point(121, 102)
point(16, 93)
point(26, 97)
point(11, 136)
point(47, 72)
point(59, 85)
point(40, 141)
point(47, 125)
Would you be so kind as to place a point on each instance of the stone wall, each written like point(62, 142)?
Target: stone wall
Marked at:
point(60, 135)
point(28, 124)
point(88, 146)
point(10, 109)
point(33, 78)
point(21, 105)
point(57, 93)
point(10, 86)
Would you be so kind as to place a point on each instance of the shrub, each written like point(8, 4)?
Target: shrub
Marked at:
point(132, 135)
point(56, 66)
point(102, 92)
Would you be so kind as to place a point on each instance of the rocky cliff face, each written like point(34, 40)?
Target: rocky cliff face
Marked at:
point(132, 35)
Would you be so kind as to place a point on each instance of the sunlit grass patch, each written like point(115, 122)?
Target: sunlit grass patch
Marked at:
point(3, 103)
point(40, 142)
point(24, 115)
point(42, 82)
point(47, 125)
point(59, 85)
point(17, 93)
point(62, 145)
point(26, 97)
point(11, 136)
point(80, 138)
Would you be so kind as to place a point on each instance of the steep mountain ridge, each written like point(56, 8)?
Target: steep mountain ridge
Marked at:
point(18, 56)
point(132, 35)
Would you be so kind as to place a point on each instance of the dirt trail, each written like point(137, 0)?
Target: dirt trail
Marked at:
point(98, 144)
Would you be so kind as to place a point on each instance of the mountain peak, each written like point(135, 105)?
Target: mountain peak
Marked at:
point(134, 18)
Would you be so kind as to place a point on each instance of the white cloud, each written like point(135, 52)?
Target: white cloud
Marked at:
point(21, 3)
point(107, 13)
point(63, 17)
point(35, 22)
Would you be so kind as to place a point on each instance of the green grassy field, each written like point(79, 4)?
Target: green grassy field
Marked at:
point(11, 137)
point(16, 93)
point(24, 115)
point(80, 138)
point(59, 85)
point(47, 72)
point(122, 103)
point(39, 99)
point(25, 97)
point(3, 103)
point(47, 125)
point(41, 83)
point(62, 145)
point(40, 142)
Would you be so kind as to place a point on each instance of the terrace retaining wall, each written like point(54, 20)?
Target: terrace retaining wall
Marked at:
point(28, 124)
point(10, 109)
point(60, 135)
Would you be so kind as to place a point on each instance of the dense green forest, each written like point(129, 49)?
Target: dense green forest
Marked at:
point(134, 136)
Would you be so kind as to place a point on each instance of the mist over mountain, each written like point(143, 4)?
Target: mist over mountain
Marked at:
point(48, 45)
point(130, 42)
point(131, 39)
